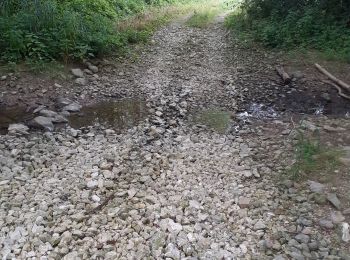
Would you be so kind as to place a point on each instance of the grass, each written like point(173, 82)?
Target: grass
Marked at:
point(215, 119)
point(311, 157)
point(201, 19)
point(139, 28)
point(53, 69)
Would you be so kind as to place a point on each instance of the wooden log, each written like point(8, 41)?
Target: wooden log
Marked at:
point(340, 91)
point(333, 78)
point(284, 75)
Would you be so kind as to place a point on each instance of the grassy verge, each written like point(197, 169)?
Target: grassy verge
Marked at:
point(139, 27)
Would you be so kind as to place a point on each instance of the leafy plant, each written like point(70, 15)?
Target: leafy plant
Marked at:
point(46, 30)
point(317, 24)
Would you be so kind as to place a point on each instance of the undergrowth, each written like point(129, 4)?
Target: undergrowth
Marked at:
point(321, 25)
point(66, 30)
point(311, 157)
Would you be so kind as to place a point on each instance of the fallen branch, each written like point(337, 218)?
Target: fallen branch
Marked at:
point(340, 91)
point(332, 78)
point(284, 75)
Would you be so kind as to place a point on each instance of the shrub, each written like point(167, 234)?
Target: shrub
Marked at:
point(321, 25)
point(64, 29)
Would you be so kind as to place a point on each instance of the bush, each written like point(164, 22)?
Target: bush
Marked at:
point(64, 29)
point(320, 25)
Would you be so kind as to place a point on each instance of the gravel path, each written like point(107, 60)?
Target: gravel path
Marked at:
point(165, 189)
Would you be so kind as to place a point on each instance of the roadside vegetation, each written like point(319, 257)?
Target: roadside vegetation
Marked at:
point(321, 25)
point(69, 30)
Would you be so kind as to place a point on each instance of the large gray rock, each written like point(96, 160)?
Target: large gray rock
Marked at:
point(316, 186)
point(326, 223)
point(18, 129)
point(78, 73)
point(93, 68)
point(43, 122)
point(243, 202)
point(61, 101)
point(172, 251)
point(81, 81)
point(73, 107)
point(174, 228)
point(302, 238)
point(259, 225)
point(59, 119)
point(333, 199)
point(48, 113)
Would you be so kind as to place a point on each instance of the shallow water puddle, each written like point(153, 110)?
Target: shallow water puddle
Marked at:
point(118, 115)
point(213, 118)
point(13, 115)
point(111, 114)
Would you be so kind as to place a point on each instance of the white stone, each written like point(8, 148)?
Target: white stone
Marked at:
point(95, 198)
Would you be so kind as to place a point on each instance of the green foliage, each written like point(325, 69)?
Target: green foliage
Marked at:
point(46, 30)
point(320, 25)
point(311, 157)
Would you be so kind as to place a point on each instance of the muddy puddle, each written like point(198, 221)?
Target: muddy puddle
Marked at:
point(216, 119)
point(13, 115)
point(117, 115)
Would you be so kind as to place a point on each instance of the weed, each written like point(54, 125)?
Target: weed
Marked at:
point(312, 158)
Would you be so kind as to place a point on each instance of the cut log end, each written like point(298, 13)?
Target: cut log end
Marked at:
point(284, 75)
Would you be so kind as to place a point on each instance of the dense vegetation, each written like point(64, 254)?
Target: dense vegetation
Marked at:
point(322, 25)
point(47, 30)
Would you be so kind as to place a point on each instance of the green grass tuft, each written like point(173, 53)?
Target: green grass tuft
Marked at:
point(313, 158)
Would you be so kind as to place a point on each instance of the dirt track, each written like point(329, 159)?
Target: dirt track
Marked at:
point(169, 188)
